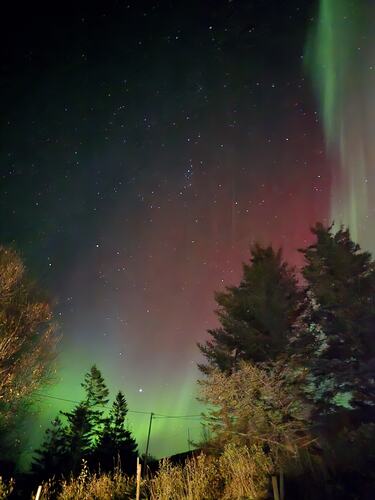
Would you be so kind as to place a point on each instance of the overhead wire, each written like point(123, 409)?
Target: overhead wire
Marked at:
point(155, 415)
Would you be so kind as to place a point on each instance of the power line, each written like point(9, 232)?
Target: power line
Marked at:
point(150, 413)
point(177, 416)
point(155, 415)
point(55, 397)
point(78, 402)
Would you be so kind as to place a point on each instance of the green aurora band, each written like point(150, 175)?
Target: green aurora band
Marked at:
point(169, 435)
point(340, 57)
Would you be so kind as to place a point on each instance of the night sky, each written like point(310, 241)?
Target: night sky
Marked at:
point(144, 147)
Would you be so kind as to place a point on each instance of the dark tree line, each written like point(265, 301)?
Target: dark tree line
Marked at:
point(90, 431)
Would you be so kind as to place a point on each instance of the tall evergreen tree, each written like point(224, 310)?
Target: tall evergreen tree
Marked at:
point(78, 436)
point(95, 388)
point(51, 458)
point(116, 442)
point(66, 446)
point(256, 317)
point(96, 401)
point(335, 334)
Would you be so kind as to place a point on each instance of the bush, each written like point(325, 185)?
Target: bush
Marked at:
point(257, 405)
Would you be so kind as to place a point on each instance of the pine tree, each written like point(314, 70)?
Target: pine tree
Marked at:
point(50, 459)
point(257, 316)
point(96, 400)
point(78, 436)
point(335, 334)
point(116, 442)
point(66, 446)
point(95, 388)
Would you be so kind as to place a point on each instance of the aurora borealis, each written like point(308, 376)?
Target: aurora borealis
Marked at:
point(340, 55)
point(146, 145)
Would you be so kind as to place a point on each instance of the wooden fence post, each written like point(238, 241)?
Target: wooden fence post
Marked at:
point(275, 488)
point(39, 492)
point(139, 468)
point(282, 487)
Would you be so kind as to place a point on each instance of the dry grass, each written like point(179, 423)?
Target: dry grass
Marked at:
point(239, 473)
point(196, 480)
point(245, 471)
point(6, 488)
point(88, 486)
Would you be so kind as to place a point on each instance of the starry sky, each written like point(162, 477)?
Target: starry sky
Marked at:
point(144, 146)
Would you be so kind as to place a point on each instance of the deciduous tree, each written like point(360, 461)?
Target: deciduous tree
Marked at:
point(258, 404)
point(27, 341)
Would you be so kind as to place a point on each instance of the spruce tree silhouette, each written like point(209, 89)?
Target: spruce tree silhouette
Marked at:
point(116, 445)
point(334, 336)
point(256, 316)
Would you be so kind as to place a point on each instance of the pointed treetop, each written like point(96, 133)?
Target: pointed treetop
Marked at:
point(96, 390)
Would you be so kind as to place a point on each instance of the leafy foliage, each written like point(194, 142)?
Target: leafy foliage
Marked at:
point(257, 405)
